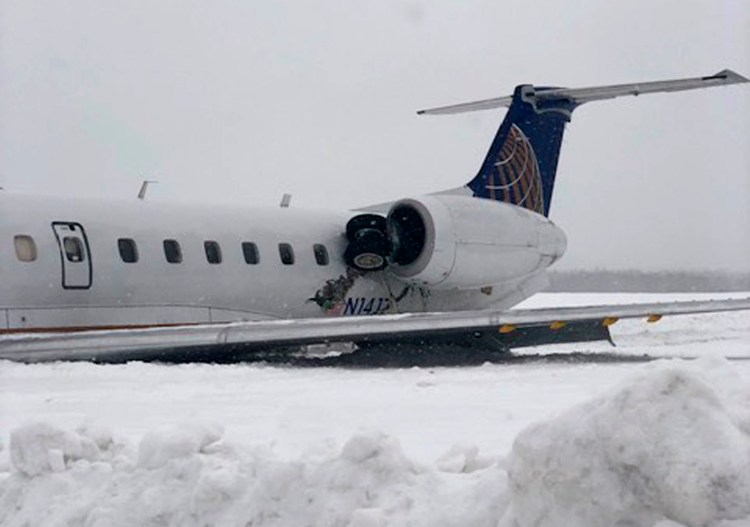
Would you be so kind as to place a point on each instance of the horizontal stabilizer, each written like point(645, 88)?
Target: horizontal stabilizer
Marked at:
point(580, 96)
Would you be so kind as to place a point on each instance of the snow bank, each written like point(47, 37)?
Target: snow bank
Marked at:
point(670, 447)
point(187, 476)
point(170, 442)
point(671, 444)
point(40, 447)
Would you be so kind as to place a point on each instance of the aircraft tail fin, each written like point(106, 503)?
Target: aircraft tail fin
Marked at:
point(521, 164)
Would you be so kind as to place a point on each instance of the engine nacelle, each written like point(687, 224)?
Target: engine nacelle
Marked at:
point(462, 242)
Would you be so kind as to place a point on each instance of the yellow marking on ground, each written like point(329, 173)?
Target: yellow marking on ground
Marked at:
point(609, 321)
point(558, 324)
point(507, 328)
point(653, 318)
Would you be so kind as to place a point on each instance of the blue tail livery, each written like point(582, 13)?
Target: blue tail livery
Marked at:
point(521, 164)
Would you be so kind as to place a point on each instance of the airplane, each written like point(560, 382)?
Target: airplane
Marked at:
point(101, 280)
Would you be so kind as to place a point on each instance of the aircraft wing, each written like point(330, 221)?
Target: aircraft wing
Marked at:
point(238, 340)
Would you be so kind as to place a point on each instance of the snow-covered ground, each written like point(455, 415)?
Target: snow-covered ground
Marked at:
point(538, 443)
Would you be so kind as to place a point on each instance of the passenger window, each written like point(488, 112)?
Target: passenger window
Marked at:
point(25, 248)
point(286, 253)
point(213, 252)
point(73, 249)
point(321, 254)
point(250, 252)
point(128, 250)
point(172, 251)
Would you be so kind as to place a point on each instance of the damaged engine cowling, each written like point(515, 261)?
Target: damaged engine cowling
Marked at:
point(462, 242)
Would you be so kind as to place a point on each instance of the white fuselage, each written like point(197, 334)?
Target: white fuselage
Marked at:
point(59, 289)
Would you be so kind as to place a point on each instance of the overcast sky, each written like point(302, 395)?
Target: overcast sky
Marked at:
point(227, 101)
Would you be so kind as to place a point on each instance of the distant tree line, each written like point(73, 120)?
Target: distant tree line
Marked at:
point(602, 280)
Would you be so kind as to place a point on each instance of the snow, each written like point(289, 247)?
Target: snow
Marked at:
point(664, 444)
point(369, 481)
point(161, 446)
point(546, 442)
point(40, 447)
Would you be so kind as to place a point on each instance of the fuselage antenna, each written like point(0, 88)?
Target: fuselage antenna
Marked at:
point(144, 188)
point(286, 200)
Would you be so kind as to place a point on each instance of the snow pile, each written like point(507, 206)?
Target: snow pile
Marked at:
point(164, 444)
point(672, 444)
point(40, 448)
point(187, 476)
point(670, 447)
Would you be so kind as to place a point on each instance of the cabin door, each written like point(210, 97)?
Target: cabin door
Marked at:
point(74, 255)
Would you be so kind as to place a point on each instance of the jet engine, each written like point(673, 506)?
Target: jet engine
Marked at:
point(454, 242)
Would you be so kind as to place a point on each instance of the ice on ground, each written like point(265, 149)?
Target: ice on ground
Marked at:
point(668, 447)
